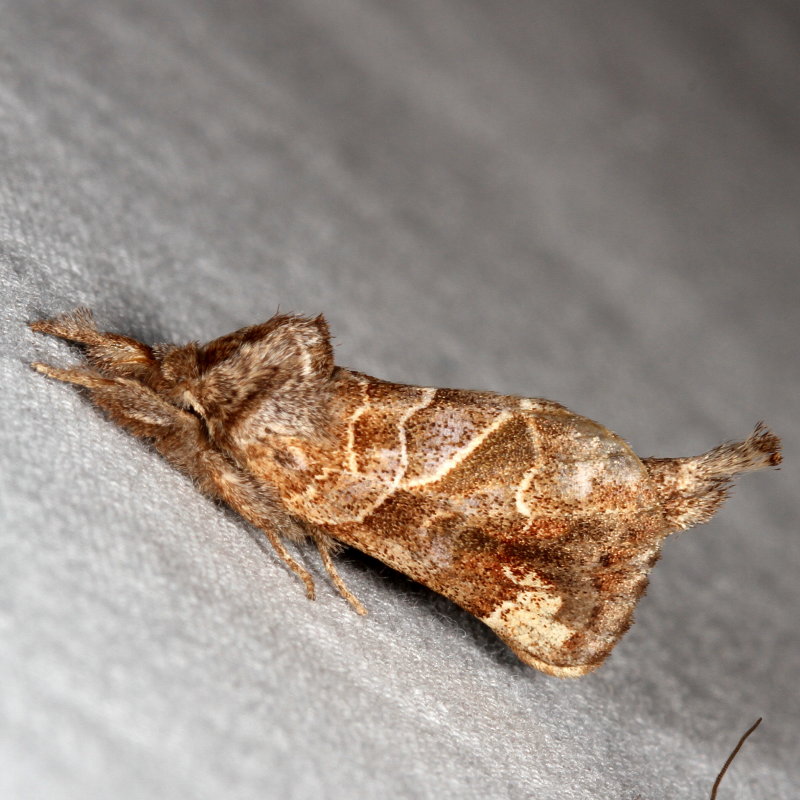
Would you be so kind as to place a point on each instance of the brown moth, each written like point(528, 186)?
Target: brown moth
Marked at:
point(540, 522)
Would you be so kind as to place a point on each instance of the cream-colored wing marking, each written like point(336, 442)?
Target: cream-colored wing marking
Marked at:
point(529, 623)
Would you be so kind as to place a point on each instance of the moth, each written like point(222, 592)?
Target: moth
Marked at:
point(538, 521)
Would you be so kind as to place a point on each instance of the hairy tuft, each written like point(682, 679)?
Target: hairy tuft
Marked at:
point(692, 489)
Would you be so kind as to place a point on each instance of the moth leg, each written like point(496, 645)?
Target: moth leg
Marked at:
point(111, 353)
point(283, 554)
point(324, 546)
point(181, 438)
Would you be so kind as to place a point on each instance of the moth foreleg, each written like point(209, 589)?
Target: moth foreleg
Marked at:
point(181, 438)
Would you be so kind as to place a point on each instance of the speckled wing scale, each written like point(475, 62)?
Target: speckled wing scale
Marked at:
point(540, 522)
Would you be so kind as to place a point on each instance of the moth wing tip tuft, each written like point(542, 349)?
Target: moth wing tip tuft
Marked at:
point(763, 440)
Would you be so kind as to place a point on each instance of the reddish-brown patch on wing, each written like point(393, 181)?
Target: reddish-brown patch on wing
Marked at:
point(594, 590)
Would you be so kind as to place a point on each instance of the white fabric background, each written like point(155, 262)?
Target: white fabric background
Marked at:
point(593, 202)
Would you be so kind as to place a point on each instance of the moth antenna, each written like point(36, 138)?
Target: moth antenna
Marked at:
point(693, 489)
point(113, 354)
point(324, 547)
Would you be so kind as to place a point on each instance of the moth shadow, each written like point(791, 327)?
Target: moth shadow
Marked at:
point(439, 608)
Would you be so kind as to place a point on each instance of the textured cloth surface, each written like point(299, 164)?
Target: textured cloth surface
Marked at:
point(592, 202)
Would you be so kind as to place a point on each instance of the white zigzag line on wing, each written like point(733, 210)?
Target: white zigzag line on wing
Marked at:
point(424, 402)
point(461, 455)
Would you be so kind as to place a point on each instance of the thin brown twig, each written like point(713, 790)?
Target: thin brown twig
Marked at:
point(731, 757)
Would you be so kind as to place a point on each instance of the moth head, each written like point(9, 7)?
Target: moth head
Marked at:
point(271, 377)
point(179, 375)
